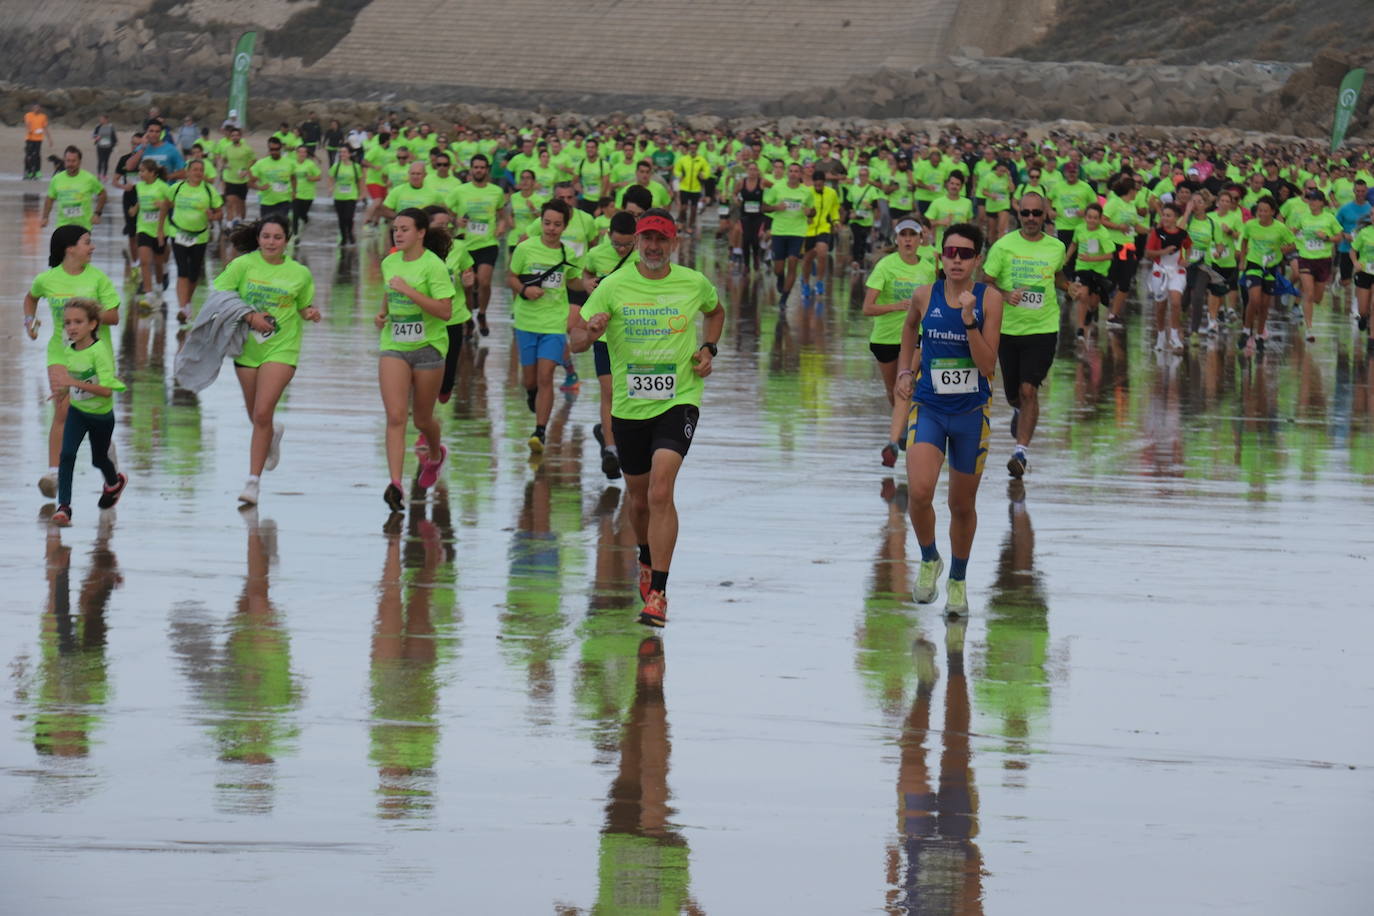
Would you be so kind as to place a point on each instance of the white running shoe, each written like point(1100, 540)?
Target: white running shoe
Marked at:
point(249, 496)
point(274, 450)
point(47, 485)
point(928, 581)
point(1159, 341)
point(1175, 341)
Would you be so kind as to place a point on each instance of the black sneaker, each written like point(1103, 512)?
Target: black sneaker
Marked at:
point(1362, 323)
point(110, 495)
point(394, 498)
point(482, 324)
point(1016, 465)
point(610, 464)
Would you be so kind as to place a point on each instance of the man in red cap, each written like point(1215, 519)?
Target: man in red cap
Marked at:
point(647, 313)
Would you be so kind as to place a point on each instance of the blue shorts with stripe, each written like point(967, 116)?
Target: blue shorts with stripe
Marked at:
point(964, 435)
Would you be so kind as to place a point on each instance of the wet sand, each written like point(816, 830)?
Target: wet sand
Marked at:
point(1160, 701)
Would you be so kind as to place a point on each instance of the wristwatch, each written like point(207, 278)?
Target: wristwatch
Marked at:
point(970, 327)
point(710, 346)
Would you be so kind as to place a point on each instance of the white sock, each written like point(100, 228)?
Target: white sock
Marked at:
point(252, 478)
point(52, 471)
point(614, 451)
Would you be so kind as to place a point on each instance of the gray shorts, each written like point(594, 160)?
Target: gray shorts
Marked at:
point(427, 357)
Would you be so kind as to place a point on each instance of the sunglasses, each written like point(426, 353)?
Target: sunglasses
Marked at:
point(959, 252)
point(1032, 212)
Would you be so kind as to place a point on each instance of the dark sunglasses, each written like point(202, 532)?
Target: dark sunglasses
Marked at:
point(1032, 212)
point(959, 252)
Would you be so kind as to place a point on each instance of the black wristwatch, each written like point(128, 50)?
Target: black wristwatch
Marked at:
point(970, 327)
point(710, 346)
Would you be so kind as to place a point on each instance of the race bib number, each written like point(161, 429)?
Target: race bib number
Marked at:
point(262, 337)
point(723, 210)
point(1091, 246)
point(407, 330)
point(578, 248)
point(1032, 299)
point(954, 376)
point(184, 239)
point(553, 280)
point(792, 204)
point(280, 187)
point(71, 212)
point(651, 381)
point(1072, 212)
point(1314, 244)
point(477, 228)
point(80, 394)
point(751, 206)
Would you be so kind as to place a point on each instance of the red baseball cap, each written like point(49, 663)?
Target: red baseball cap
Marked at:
point(655, 223)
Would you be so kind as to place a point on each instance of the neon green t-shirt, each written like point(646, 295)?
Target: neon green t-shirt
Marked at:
point(73, 197)
point(996, 190)
point(480, 205)
point(281, 290)
point(1069, 202)
point(956, 211)
point(603, 260)
point(1014, 262)
point(92, 364)
point(652, 338)
point(1305, 227)
point(459, 260)
point(895, 280)
point(405, 195)
point(306, 174)
point(1093, 242)
point(792, 220)
point(275, 177)
point(549, 313)
point(57, 286)
point(1265, 244)
point(407, 326)
point(346, 180)
point(238, 159)
point(1362, 248)
point(190, 216)
point(150, 195)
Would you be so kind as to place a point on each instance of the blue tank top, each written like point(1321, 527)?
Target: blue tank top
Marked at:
point(948, 380)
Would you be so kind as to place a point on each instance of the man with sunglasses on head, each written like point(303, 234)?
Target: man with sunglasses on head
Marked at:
point(1025, 267)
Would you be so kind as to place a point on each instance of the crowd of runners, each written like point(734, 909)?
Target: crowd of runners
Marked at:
point(975, 253)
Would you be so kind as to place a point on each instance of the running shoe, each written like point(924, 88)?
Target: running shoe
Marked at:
point(1311, 336)
point(655, 613)
point(274, 450)
point(569, 382)
point(1159, 341)
point(394, 498)
point(110, 495)
point(890, 455)
point(820, 287)
point(429, 472)
point(610, 464)
point(1243, 340)
point(1175, 341)
point(1116, 321)
point(956, 597)
point(482, 324)
point(1362, 322)
point(249, 496)
point(1259, 345)
point(646, 578)
point(806, 290)
point(62, 517)
point(536, 442)
point(928, 581)
point(444, 396)
point(1017, 464)
point(47, 485)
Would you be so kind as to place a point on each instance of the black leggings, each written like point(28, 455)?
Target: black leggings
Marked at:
point(33, 156)
point(100, 426)
point(102, 160)
point(859, 250)
point(300, 214)
point(455, 346)
point(344, 210)
point(750, 225)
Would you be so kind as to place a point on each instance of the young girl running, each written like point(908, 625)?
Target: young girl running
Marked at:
point(86, 378)
point(280, 290)
point(70, 275)
point(154, 196)
point(416, 306)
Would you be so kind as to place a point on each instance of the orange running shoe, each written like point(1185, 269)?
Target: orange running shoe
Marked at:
point(646, 578)
point(655, 613)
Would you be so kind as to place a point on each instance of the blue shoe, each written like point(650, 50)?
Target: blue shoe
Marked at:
point(820, 287)
point(806, 290)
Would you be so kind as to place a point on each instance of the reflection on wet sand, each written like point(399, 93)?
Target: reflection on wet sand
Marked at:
point(642, 865)
point(1013, 684)
point(415, 610)
point(72, 686)
point(247, 684)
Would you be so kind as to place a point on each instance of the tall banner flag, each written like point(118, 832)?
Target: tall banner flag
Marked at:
point(238, 79)
point(1345, 105)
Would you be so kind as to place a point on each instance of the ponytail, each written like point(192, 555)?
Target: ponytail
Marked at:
point(437, 238)
point(244, 238)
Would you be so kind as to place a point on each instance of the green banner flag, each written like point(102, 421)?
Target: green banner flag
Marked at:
point(238, 79)
point(1345, 106)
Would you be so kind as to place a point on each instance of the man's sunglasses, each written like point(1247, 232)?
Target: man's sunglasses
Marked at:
point(1032, 212)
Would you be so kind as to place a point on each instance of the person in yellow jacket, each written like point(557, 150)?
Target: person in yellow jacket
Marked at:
point(820, 235)
point(689, 171)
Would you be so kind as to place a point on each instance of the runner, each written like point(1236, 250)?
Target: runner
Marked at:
point(271, 178)
point(749, 199)
point(1023, 267)
point(1166, 248)
point(1122, 217)
point(416, 307)
point(305, 172)
point(70, 275)
point(1352, 215)
point(886, 297)
point(1220, 262)
point(194, 204)
point(1362, 257)
point(1264, 243)
point(690, 171)
point(35, 135)
point(345, 179)
point(647, 315)
point(154, 195)
point(85, 378)
point(861, 202)
point(234, 158)
point(950, 340)
point(415, 193)
point(79, 195)
point(478, 205)
point(281, 291)
point(105, 138)
point(460, 271)
point(541, 271)
point(605, 259)
point(952, 208)
point(1316, 232)
point(1091, 254)
point(819, 235)
point(126, 180)
point(792, 206)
